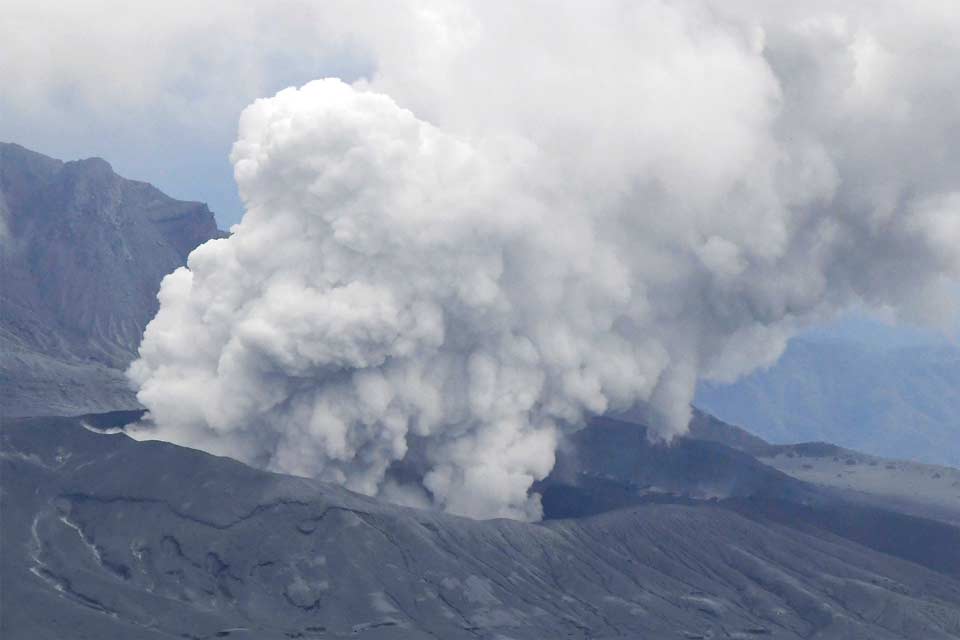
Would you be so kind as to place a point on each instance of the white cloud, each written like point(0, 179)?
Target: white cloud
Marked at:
point(531, 213)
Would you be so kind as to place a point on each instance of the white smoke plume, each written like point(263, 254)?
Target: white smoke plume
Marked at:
point(529, 215)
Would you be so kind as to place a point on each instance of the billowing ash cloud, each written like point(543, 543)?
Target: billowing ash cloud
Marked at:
point(523, 220)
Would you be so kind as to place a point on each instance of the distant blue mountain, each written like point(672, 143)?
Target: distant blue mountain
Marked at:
point(900, 399)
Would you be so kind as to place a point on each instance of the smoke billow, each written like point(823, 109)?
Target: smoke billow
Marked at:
point(522, 220)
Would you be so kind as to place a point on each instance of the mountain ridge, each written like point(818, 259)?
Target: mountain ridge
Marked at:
point(83, 254)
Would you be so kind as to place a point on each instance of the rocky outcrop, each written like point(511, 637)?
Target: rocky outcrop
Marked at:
point(83, 252)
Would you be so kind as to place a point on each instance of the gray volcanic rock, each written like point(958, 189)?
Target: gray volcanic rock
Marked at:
point(925, 490)
point(611, 464)
point(903, 509)
point(105, 537)
point(83, 252)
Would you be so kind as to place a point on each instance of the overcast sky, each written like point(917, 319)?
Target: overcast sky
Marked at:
point(157, 88)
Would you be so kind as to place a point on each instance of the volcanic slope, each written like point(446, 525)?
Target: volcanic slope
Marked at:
point(104, 536)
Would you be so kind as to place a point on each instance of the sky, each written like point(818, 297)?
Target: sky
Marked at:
point(157, 88)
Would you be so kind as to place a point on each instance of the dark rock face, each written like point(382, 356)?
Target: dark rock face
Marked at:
point(83, 253)
point(612, 465)
point(104, 537)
